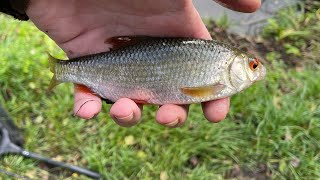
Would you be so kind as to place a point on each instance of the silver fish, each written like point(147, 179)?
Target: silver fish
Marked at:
point(154, 70)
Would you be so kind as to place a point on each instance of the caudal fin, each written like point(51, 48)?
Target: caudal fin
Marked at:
point(52, 65)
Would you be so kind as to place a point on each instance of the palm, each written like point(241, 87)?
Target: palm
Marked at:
point(81, 27)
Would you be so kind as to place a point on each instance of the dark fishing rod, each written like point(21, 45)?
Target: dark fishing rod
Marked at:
point(8, 147)
point(11, 174)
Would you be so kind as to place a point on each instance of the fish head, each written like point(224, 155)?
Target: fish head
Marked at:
point(245, 70)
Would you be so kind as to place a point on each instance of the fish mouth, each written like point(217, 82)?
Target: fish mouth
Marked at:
point(262, 74)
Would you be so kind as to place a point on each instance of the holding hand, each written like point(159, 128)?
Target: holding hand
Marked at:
point(81, 27)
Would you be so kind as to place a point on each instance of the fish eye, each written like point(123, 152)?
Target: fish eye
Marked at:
point(254, 64)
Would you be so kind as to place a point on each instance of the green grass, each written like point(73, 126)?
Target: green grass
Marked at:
point(274, 124)
point(298, 32)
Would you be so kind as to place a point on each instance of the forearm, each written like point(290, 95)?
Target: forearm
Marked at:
point(15, 8)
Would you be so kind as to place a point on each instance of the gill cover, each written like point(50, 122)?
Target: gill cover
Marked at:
point(244, 71)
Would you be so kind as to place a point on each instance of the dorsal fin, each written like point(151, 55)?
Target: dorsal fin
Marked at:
point(124, 41)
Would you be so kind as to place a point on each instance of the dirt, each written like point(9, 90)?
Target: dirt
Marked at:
point(242, 173)
point(256, 46)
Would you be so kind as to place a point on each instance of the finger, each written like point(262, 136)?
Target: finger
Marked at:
point(86, 105)
point(216, 111)
point(171, 115)
point(246, 6)
point(126, 112)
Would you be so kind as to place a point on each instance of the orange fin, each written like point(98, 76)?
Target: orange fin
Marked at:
point(139, 101)
point(124, 41)
point(203, 91)
point(84, 89)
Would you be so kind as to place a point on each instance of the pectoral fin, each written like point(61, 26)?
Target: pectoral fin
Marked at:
point(203, 91)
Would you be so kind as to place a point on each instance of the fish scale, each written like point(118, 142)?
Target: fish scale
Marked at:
point(154, 70)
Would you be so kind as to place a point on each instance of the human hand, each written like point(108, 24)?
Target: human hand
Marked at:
point(81, 27)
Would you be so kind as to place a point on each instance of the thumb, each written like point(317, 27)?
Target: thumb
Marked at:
point(247, 6)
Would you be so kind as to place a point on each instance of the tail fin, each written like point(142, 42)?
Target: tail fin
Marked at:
point(52, 65)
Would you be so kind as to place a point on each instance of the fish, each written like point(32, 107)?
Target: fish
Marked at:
point(161, 70)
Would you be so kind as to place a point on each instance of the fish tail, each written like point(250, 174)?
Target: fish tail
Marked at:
point(52, 65)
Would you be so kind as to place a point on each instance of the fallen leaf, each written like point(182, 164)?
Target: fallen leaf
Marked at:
point(142, 154)
point(129, 140)
point(295, 162)
point(276, 101)
point(163, 175)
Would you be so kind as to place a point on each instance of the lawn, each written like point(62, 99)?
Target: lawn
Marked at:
point(272, 130)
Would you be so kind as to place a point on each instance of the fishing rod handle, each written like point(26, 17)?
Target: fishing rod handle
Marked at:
point(60, 164)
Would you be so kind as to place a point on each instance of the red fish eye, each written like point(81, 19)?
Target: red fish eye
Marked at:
point(254, 64)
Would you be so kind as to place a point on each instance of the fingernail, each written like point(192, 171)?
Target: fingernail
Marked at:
point(125, 118)
point(173, 123)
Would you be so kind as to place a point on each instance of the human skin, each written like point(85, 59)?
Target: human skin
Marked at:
point(80, 27)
